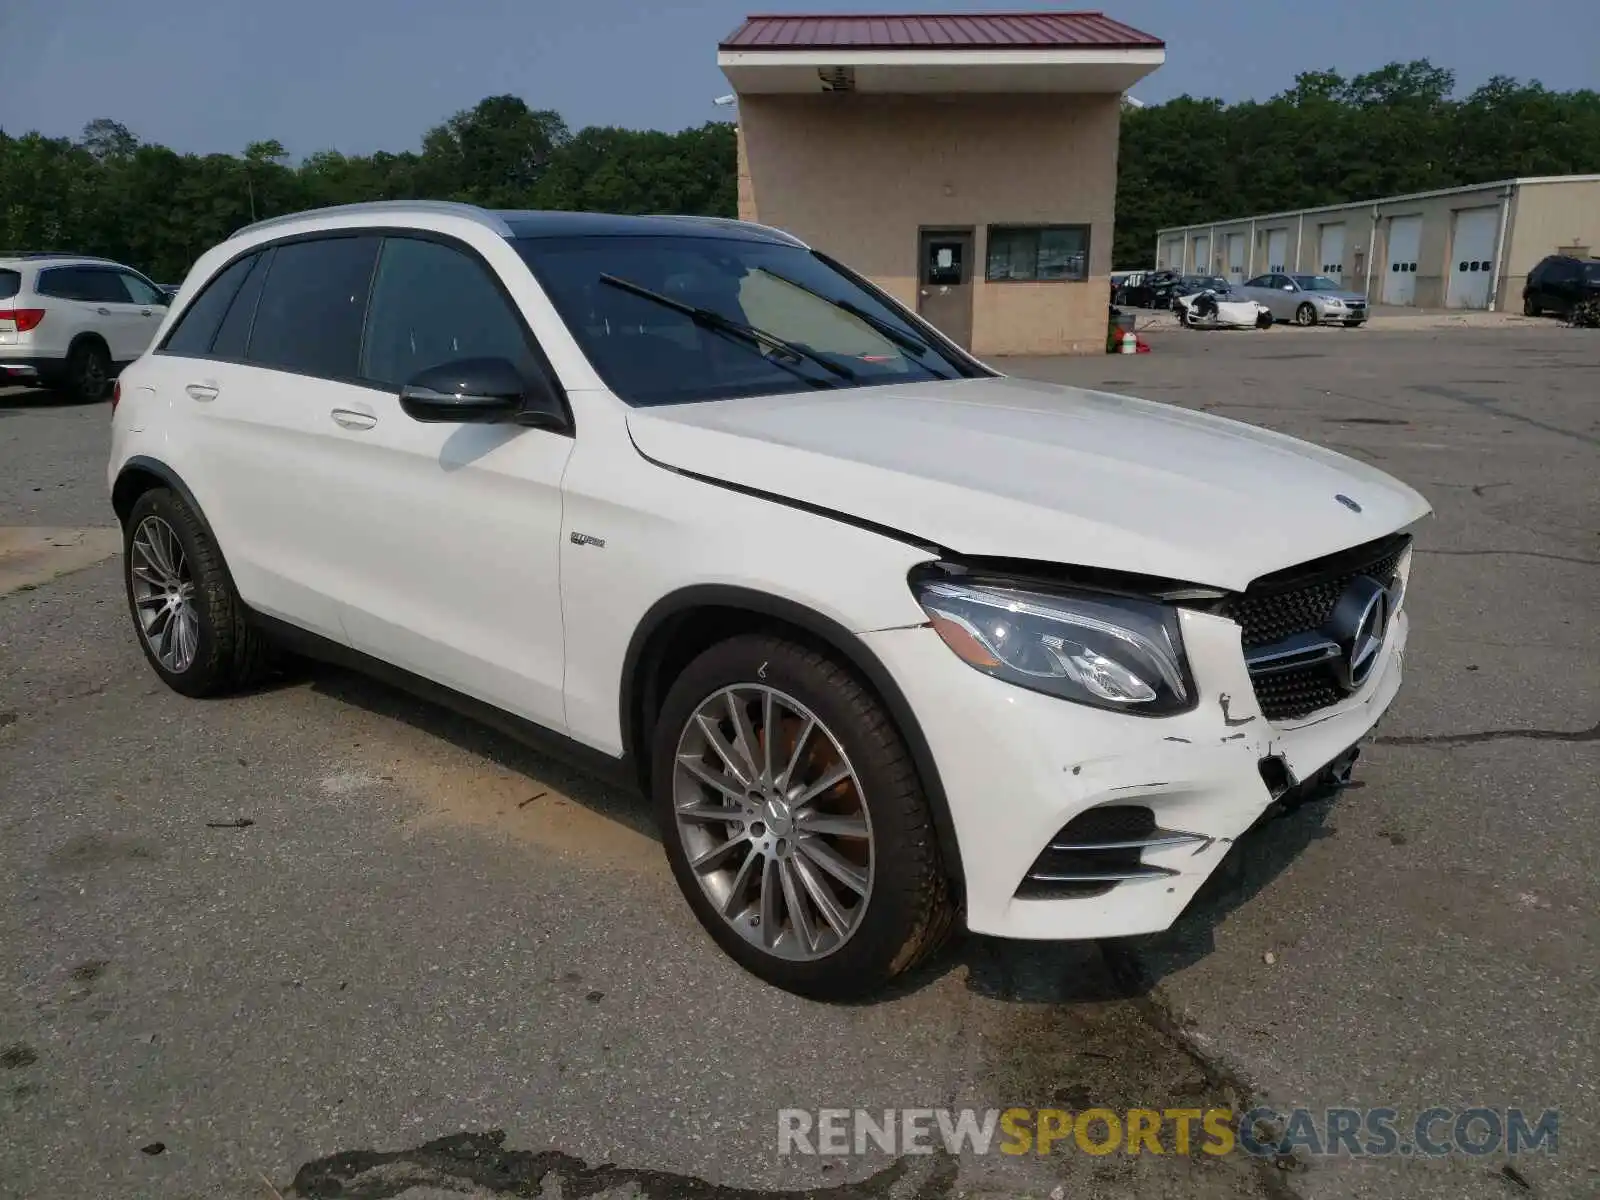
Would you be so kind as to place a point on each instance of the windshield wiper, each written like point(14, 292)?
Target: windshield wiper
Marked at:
point(896, 335)
point(748, 334)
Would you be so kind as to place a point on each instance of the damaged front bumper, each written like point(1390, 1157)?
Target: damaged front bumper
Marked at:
point(1042, 790)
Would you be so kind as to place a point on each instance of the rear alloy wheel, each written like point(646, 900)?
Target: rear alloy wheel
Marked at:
point(89, 372)
point(1305, 315)
point(192, 626)
point(794, 822)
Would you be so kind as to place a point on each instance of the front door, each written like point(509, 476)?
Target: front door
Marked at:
point(944, 291)
point(451, 559)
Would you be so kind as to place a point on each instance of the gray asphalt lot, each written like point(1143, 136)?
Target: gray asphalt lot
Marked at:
point(435, 963)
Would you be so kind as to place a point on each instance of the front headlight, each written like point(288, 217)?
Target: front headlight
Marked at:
point(1332, 302)
point(1107, 651)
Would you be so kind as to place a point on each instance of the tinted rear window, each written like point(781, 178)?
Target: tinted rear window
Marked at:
point(312, 306)
point(1591, 272)
point(10, 284)
point(234, 331)
point(197, 326)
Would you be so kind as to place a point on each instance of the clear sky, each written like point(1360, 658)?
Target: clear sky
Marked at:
point(363, 75)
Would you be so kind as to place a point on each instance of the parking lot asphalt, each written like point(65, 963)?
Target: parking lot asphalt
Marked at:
point(434, 963)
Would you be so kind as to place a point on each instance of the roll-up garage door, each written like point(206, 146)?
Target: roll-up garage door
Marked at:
point(1330, 251)
point(1471, 257)
point(1400, 283)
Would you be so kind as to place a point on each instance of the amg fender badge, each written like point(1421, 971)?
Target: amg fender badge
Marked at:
point(1340, 497)
point(587, 539)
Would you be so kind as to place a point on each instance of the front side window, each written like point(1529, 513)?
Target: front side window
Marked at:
point(139, 291)
point(668, 320)
point(1038, 252)
point(433, 304)
point(312, 306)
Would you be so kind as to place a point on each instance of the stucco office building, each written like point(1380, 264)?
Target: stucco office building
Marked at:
point(1461, 247)
point(966, 164)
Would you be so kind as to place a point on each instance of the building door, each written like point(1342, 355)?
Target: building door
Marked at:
point(1278, 250)
point(1405, 237)
point(944, 294)
point(1235, 263)
point(1201, 263)
point(1330, 251)
point(1172, 254)
point(1472, 257)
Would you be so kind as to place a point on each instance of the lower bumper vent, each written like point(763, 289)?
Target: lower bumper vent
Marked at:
point(1099, 849)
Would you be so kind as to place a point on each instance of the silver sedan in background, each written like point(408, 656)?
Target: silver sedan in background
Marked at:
point(1306, 299)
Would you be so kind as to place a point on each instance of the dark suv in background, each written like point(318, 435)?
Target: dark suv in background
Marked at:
point(1559, 284)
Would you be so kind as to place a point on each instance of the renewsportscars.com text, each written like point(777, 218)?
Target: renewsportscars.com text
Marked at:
point(1262, 1132)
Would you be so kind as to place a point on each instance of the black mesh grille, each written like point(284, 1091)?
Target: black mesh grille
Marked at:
point(1300, 600)
point(1292, 694)
point(1277, 607)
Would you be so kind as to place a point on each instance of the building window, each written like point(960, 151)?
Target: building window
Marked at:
point(1038, 252)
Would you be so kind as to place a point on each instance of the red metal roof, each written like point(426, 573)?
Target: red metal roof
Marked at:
point(931, 31)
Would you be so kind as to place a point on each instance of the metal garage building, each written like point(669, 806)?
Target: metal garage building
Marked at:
point(1461, 247)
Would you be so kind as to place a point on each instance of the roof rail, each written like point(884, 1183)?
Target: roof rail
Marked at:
point(451, 208)
point(55, 254)
point(734, 221)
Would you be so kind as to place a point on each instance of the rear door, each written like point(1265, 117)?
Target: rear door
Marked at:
point(268, 470)
point(124, 324)
point(450, 564)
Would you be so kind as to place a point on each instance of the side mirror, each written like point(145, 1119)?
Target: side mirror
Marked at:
point(481, 390)
point(1288, 287)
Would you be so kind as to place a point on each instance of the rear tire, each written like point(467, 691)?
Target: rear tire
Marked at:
point(1306, 315)
point(192, 626)
point(88, 377)
point(871, 829)
point(1530, 307)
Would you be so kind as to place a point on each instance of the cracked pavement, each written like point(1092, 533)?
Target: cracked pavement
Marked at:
point(326, 940)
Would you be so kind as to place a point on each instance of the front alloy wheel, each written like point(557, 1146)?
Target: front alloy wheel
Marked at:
point(769, 811)
point(794, 819)
point(1305, 315)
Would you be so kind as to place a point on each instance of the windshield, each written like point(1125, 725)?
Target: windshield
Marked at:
point(669, 320)
point(1316, 283)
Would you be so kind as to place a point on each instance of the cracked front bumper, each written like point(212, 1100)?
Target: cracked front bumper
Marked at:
point(1017, 766)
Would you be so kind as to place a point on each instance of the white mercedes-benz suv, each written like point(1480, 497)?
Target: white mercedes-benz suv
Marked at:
point(887, 637)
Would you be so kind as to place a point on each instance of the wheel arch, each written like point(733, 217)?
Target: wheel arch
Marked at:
point(141, 474)
point(682, 624)
point(89, 337)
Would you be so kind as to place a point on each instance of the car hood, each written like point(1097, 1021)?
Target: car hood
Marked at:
point(1010, 468)
point(1347, 297)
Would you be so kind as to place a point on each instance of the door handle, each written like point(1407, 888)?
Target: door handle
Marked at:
point(103, 311)
point(144, 312)
point(202, 391)
point(350, 418)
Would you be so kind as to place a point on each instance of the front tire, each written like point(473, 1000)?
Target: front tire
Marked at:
point(192, 626)
point(1530, 307)
point(1305, 315)
point(794, 821)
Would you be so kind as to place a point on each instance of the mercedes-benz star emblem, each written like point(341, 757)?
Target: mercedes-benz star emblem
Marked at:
point(1347, 502)
point(1359, 623)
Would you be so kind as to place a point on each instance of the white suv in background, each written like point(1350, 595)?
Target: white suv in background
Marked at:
point(71, 323)
point(886, 636)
